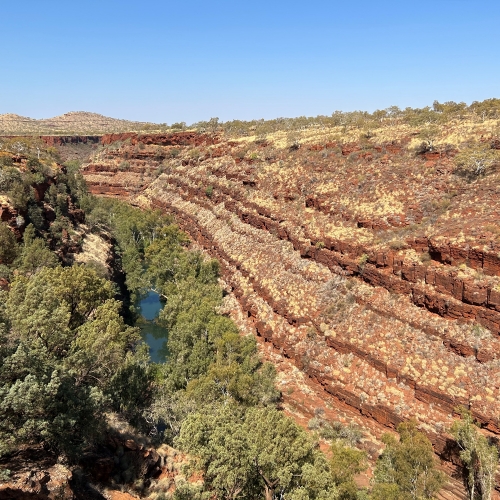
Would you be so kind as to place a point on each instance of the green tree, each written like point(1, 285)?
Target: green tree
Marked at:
point(258, 452)
point(135, 231)
point(477, 159)
point(237, 375)
point(35, 255)
point(193, 326)
point(47, 408)
point(76, 182)
point(8, 244)
point(100, 345)
point(345, 463)
point(20, 193)
point(428, 136)
point(59, 227)
point(386, 491)
point(67, 296)
point(220, 445)
point(132, 387)
point(278, 449)
point(64, 343)
point(9, 176)
point(407, 467)
point(35, 215)
point(479, 457)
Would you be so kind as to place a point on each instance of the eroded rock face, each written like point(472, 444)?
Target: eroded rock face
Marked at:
point(10, 215)
point(376, 272)
point(126, 467)
point(50, 484)
point(61, 140)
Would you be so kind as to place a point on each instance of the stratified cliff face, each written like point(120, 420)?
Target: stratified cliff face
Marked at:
point(374, 269)
point(61, 140)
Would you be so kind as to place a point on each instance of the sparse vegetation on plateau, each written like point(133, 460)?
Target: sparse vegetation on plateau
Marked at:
point(72, 123)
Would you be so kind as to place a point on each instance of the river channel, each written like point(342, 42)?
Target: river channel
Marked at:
point(153, 334)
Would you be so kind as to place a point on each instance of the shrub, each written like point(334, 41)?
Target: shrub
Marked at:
point(476, 160)
point(363, 260)
point(195, 154)
point(25, 192)
point(5, 272)
point(397, 245)
point(349, 434)
point(6, 161)
point(9, 176)
point(425, 257)
point(428, 136)
point(33, 165)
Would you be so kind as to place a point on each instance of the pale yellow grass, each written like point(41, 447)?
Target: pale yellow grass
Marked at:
point(94, 249)
point(454, 132)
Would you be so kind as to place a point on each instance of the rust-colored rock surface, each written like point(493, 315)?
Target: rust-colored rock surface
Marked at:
point(36, 475)
point(10, 215)
point(374, 271)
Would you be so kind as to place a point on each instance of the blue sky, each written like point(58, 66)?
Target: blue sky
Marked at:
point(191, 60)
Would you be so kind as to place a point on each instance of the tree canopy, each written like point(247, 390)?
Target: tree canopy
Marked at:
point(407, 467)
point(479, 457)
point(64, 340)
point(256, 453)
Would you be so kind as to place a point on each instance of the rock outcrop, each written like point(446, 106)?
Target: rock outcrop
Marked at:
point(61, 140)
point(33, 473)
point(126, 466)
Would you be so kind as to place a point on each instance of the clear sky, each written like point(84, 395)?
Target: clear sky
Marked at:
point(189, 60)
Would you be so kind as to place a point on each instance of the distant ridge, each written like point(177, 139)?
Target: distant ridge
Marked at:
point(74, 122)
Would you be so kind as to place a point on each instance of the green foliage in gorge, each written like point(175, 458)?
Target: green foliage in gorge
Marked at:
point(407, 468)
point(35, 254)
point(193, 327)
point(479, 457)
point(236, 374)
point(135, 231)
point(345, 463)
point(259, 453)
point(63, 341)
point(214, 397)
point(67, 357)
point(8, 244)
point(22, 185)
point(204, 347)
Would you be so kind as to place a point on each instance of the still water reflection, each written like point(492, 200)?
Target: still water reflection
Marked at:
point(153, 334)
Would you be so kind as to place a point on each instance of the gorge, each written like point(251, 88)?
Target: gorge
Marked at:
point(365, 261)
point(370, 269)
